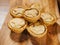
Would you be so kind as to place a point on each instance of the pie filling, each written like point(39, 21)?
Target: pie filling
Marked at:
point(17, 23)
point(37, 29)
point(31, 13)
point(18, 11)
point(47, 17)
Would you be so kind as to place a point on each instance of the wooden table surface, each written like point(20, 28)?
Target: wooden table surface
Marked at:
point(10, 38)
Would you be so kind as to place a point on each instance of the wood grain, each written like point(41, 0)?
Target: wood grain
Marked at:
point(10, 38)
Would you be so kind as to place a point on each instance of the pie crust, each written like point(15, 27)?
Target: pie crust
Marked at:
point(17, 12)
point(17, 25)
point(48, 18)
point(32, 15)
point(37, 30)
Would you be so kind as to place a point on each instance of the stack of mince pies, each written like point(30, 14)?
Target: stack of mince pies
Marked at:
point(30, 19)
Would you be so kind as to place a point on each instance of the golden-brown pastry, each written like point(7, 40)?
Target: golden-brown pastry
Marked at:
point(36, 5)
point(37, 30)
point(17, 25)
point(17, 12)
point(38, 33)
point(32, 15)
point(48, 18)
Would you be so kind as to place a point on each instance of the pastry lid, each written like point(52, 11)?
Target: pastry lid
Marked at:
point(32, 12)
point(37, 30)
point(17, 22)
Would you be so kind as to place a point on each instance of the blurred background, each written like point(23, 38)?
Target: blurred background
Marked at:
point(58, 4)
point(4, 8)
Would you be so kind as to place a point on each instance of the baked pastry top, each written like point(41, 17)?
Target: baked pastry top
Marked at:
point(31, 12)
point(17, 11)
point(48, 18)
point(37, 29)
point(17, 23)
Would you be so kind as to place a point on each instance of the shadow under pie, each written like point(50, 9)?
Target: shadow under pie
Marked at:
point(52, 35)
point(17, 37)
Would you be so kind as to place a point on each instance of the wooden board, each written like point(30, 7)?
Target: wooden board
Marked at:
point(10, 38)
